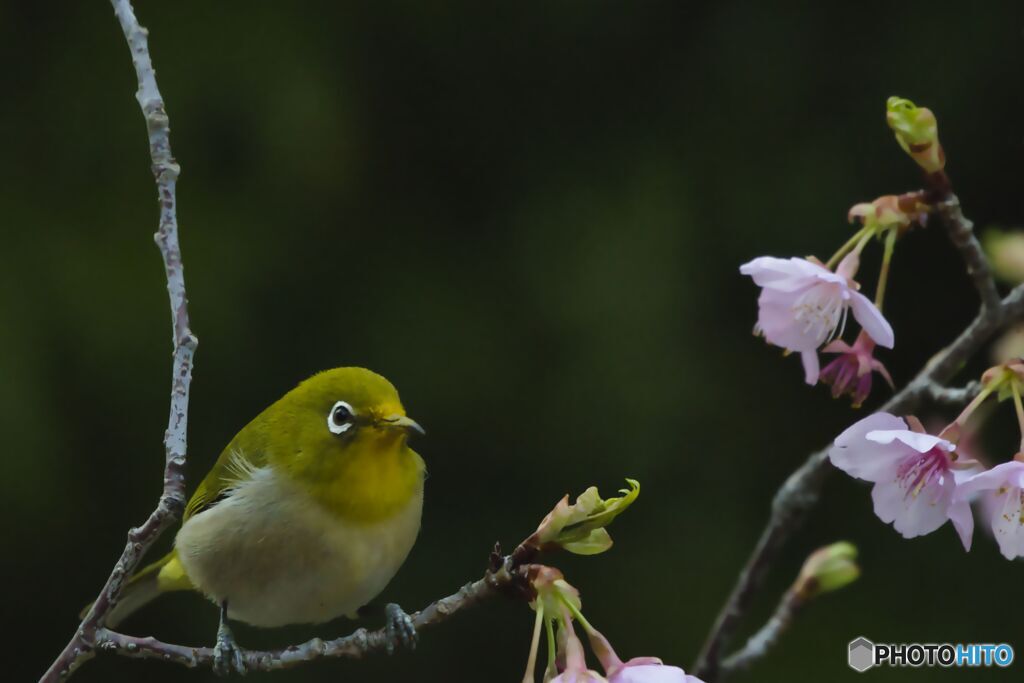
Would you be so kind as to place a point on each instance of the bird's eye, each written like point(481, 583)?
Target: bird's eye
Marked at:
point(339, 420)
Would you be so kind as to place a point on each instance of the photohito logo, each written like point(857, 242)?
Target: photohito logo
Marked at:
point(863, 654)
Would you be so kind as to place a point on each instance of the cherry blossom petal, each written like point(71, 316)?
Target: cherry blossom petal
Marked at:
point(786, 275)
point(586, 676)
point(1008, 522)
point(650, 673)
point(812, 366)
point(872, 320)
point(1008, 474)
point(913, 513)
point(776, 320)
point(922, 443)
point(1005, 503)
point(838, 346)
point(860, 458)
point(963, 521)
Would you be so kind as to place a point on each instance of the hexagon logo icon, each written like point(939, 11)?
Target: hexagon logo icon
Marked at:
point(862, 654)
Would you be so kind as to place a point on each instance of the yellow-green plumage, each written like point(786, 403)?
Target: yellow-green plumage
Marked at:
point(301, 519)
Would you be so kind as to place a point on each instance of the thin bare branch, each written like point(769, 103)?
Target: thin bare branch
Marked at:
point(172, 499)
point(761, 643)
point(801, 491)
point(961, 233)
point(951, 396)
point(509, 577)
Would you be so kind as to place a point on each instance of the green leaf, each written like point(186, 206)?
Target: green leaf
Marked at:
point(579, 527)
point(596, 542)
point(600, 514)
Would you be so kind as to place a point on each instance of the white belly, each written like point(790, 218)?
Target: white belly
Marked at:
point(279, 558)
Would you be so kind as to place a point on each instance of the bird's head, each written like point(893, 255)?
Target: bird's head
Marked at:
point(342, 435)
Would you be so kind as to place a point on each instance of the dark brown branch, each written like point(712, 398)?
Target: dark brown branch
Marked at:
point(801, 491)
point(172, 499)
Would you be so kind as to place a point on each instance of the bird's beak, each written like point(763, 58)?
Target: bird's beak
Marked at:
point(406, 424)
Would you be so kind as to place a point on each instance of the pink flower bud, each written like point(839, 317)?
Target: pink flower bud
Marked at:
point(851, 371)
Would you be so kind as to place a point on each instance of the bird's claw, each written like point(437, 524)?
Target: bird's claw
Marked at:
point(400, 629)
point(227, 659)
point(227, 655)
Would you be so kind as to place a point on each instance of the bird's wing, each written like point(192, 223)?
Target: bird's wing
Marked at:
point(234, 466)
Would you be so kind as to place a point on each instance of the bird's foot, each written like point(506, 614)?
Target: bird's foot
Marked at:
point(227, 655)
point(400, 629)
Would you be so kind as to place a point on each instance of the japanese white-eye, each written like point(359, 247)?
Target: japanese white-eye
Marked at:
point(307, 514)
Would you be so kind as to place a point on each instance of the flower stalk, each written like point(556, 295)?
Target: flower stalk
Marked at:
point(531, 660)
point(954, 431)
point(883, 275)
point(846, 248)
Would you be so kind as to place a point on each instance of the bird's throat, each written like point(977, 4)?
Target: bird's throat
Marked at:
point(374, 480)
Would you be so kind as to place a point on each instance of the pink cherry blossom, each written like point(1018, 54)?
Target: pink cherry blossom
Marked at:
point(850, 373)
point(643, 670)
point(571, 648)
point(579, 676)
point(1003, 487)
point(803, 305)
point(915, 475)
point(636, 670)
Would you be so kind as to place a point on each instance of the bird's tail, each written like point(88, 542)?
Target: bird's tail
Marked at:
point(163, 576)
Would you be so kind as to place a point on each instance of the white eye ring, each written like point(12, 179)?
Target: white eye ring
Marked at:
point(339, 420)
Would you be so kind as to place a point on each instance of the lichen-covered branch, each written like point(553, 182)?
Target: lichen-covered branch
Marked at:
point(802, 490)
point(827, 569)
point(768, 635)
point(951, 396)
point(172, 499)
point(510, 576)
point(961, 233)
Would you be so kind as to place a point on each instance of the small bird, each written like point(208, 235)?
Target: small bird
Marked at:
point(306, 516)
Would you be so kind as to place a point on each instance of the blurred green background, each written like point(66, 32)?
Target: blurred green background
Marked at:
point(530, 218)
